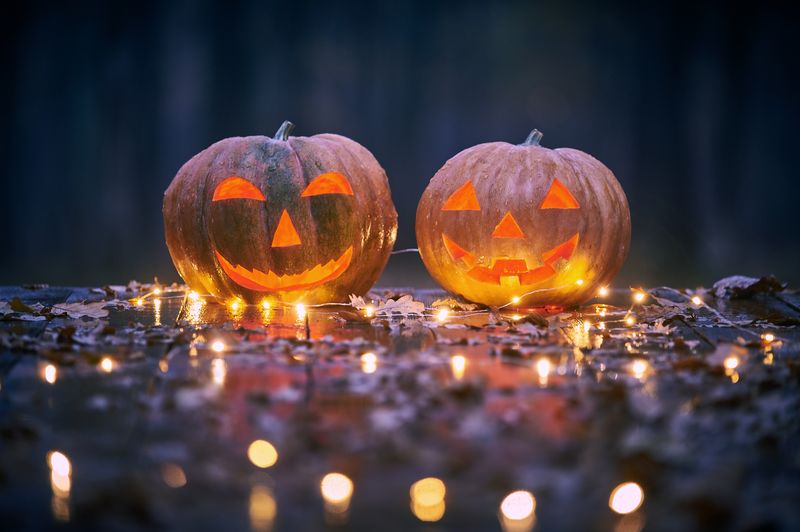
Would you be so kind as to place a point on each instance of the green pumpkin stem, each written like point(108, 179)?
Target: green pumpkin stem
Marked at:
point(284, 130)
point(533, 139)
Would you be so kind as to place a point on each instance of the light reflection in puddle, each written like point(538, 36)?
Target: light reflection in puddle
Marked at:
point(458, 364)
point(369, 362)
point(218, 371)
point(60, 483)
point(262, 508)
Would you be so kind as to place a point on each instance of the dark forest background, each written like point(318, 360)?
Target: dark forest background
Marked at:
point(694, 106)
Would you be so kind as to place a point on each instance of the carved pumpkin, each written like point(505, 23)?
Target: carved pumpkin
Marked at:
point(287, 218)
point(498, 221)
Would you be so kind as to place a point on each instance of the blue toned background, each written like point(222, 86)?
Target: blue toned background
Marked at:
point(694, 107)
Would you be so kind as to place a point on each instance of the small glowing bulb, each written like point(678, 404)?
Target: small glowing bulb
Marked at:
point(442, 314)
point(235, 305)
point(157, 291)
point(518, 505)
point(300, 310)
point(106, 364)
point(458, 363)
point(369, 311)
point(697, 301)
point(579, 282)
point(50, 373)
point(336, 488)
point(262, 453)
point(516, 317)
point(194, 296)
point(768, 338)
point(543, 367)
point(369, 362)
point(626, 498)
point(218, 346)
point(602, 291)
point(265, 304)
point(731, 362)
point(630, 320)
point(639, 368)
point(587, 325)
point(515, 299)
point(139, 301)
point(428, 491)
point(59, 463)
point(638, 297)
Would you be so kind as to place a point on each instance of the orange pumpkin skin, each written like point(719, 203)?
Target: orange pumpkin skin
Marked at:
point(498, 221)
point(287, 219)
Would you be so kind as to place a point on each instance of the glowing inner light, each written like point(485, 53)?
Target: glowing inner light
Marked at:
point(336, 488)
point(602, 291)
point(265, 304)
point(300, 310)
point(262, 453)
point(218, 346)
point(106, 364)
point(518, 505)
point(441, 316)
point(194, 296)
point(458, 364)
point(235, 305)
point(697, 301)
point(626, 498)
point(579, 282)
point(369, 362)
point(50, 373)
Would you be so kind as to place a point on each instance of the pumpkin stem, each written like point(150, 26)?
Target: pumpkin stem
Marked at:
point(533, 139)
point(284, 130)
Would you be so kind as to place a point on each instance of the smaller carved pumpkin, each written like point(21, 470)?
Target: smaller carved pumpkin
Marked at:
point(287, 218)
point(499, 221)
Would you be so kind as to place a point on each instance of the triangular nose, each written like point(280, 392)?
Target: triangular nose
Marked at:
point(285, 235)
point(508, 228)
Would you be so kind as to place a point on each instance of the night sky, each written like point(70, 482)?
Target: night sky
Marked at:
point(694, 107)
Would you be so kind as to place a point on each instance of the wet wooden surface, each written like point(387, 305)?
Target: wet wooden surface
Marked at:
point(693, 402)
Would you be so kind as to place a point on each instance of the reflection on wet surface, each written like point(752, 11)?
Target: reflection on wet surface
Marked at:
point(177, 412)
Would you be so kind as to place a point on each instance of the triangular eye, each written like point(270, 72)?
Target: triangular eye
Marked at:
point(558, 197)
point(236, 187)
point(328, 183)
point(463, 199)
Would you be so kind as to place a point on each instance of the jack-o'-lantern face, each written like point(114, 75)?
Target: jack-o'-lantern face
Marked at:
point(321, 208)
point(500, 260)
point(503, 224)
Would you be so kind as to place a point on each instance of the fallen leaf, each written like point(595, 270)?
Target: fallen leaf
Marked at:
point(741, 287)
point(79, 310)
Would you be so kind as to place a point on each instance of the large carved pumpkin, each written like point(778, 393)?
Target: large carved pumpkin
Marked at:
point(286, 218)
point(498, 221)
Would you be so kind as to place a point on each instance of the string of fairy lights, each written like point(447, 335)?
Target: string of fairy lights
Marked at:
point(639, 297)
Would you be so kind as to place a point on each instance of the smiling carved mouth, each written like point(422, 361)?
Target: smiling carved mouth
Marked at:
point(502, 267)
point(269, 281)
